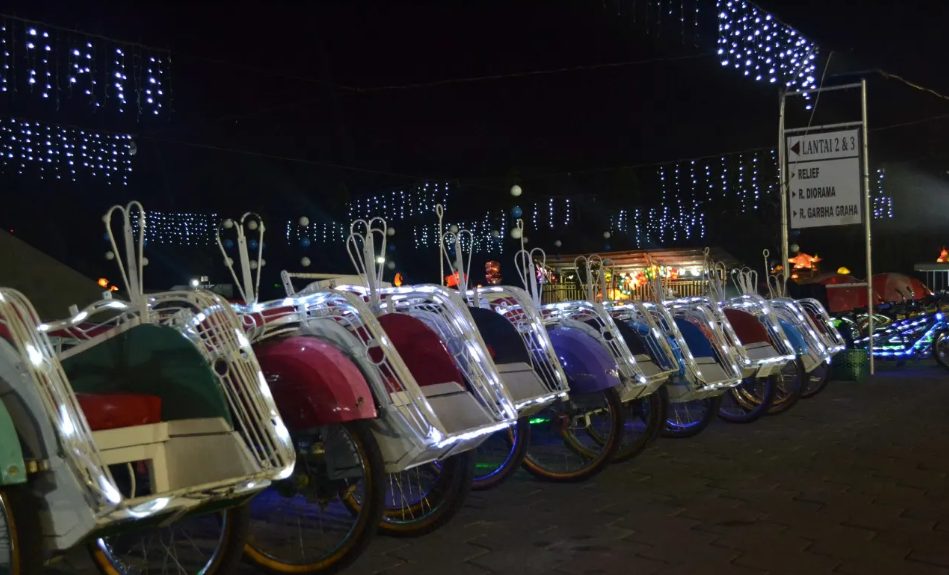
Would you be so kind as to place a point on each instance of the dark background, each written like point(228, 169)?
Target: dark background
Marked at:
point(291, 109)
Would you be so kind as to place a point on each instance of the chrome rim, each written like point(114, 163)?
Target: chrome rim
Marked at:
point(186, 547)
point(568, 435)
point(304, 518)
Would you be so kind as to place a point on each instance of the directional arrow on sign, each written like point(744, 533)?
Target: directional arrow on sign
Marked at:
point(796, 148)
point(792, 194)
point(794, 213)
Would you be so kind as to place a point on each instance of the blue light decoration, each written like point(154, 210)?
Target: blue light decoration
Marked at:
point(754, 43)
point(63, 153)
point(40, 62)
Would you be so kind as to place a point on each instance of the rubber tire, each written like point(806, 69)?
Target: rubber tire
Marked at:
point(941, 337)
point(811, 389)
point(26, 534)
point(522, 435)
point(229, 556)
point(656, 405)
point(599, 462)
point(663, 394)
point(785, 402)
point(757, 411)
point(453, 486)
point(681, 433)
point(365, 528)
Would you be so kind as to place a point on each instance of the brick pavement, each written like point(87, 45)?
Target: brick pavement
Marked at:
point(851, 482)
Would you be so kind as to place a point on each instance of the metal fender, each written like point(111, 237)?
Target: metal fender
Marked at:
point(314, 383)
point(588, 365)
point(12, 467)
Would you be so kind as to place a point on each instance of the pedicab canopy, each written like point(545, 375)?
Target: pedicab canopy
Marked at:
point(628, 272)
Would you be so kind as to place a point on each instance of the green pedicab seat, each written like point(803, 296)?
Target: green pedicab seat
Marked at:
point(150, 396)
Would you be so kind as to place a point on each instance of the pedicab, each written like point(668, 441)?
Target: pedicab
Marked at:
point(772, 361)
point(814, 351)
point(337, 370)
point(304, 524)
point(442, 395)
point(639, 404)
point(139, 428)
point(520, 348)
point(573, 439)
point(654, 358)
point(708, 364)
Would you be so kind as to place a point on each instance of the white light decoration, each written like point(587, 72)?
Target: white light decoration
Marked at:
point(180, 228)
point(45, 63)
point(81, 71)
point(882, 202)
point(154, 85)
point(753, 42)
point(4, 59)
point(416, 202)
point(57, 152)
point(516, 190)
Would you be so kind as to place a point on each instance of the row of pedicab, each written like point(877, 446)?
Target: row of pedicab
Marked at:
point(177, 432)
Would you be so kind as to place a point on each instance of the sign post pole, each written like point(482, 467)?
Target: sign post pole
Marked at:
point(783, 175)
point(825, 180)
point(867, 218)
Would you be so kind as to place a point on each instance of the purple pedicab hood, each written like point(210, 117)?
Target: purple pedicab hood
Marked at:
point(588, 365)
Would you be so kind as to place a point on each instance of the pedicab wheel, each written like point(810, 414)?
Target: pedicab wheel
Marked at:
point(574, 439)
point(203, 543)
point(662, 411)
point(941, 349)
point(689, 418)
point(642, 420)
point(20, 534)
point(748, 401)
point(501, 455)
point(422, 499)
point(790, 383)
point(302, 524)
point(817, 380)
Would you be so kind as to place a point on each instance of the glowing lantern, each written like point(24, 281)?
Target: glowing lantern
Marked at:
point(943, 257)
point(804, 261)
point(844, 271)
point(492, 272)
point(452, 280)
point(103, 282)
point(397, 280)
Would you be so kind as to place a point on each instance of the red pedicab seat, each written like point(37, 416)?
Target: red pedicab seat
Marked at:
point(435, 371)
point(752, 334)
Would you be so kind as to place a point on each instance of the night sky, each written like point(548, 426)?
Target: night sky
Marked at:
point(293, 108)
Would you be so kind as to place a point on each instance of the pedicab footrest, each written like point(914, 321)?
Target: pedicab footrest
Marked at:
point(712, 372)
point(759, 353)
point(457, 409)
point(522, 382)
point(114, 410)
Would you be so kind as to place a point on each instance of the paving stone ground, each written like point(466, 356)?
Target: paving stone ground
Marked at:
point(851, 482)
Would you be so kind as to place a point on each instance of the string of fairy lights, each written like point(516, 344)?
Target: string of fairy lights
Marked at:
point(689, 191)
point(752, 42)
point(52, 152)
point(41, 63)
point(881, 202)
